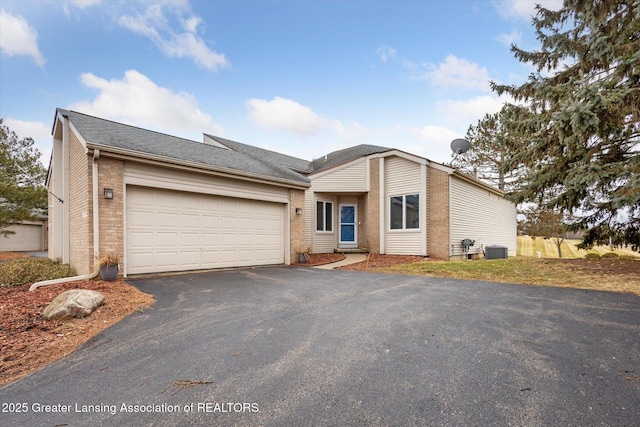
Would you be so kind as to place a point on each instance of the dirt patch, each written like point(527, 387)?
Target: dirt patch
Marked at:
point(28, 342)
point(5, 256)
point(617, 266)
point(321, 259)
point(379, 261)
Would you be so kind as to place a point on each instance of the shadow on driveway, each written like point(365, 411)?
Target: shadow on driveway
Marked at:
point(300, 346)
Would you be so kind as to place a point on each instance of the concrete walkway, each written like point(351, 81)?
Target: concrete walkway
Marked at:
point(349, 259)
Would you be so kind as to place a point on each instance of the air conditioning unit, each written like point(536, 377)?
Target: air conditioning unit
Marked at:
point(496, 252)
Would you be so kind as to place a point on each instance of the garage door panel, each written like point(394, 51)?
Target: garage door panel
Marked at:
point(171, 231)
point(165, 240)
point(140, 218)
point(167, 219)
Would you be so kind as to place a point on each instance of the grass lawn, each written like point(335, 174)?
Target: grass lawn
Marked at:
point(546, 248)
point(610, 274)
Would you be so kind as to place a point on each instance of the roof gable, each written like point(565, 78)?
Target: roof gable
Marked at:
point(346, 155)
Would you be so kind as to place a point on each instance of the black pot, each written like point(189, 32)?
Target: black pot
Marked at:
point(109, 272)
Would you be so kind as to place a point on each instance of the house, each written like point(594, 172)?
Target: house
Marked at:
point(164, 203)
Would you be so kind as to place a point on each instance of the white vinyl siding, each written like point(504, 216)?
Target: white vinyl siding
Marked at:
point(404, 177)
point(309, 212)
point(481, 215)
point(351, 177)
point(176, 231)
point(324, 241)
point(152, 176)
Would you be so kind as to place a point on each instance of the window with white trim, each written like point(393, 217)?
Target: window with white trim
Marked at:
point(404, 212)
point(324, 216)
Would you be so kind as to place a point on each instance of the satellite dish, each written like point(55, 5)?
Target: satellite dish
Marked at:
point(460, 146)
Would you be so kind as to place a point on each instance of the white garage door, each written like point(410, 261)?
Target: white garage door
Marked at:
point(28, 237)
point(174, 231)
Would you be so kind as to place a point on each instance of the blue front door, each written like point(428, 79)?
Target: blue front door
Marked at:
point(348, 226)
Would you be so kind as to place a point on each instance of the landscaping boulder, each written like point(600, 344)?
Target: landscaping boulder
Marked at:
point(73, 303)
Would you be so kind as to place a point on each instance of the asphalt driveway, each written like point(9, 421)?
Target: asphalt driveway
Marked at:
point(300, 346)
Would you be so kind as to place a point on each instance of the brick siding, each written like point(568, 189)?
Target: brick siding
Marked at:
point(438, 213)
point(111, 220)
point(297, 224)
point(372, 207)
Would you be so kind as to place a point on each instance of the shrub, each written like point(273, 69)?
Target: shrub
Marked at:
point(610, 255)
point(28, 270)
point(592, 255)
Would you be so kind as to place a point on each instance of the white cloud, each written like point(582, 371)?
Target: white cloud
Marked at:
point(524, 9)
point(83, 4)
point(137, 100)
point(385, 53)
point(462, 114)
point(175, 43)
point(289, 116)
point(285, 115)
point(17, 37)
point(510, 39)
point(458, 72)
point(352, 132)
point(38, 131)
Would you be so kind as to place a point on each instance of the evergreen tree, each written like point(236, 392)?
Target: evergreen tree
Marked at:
point(491, 141)
point(22, 191)
point(579, 117)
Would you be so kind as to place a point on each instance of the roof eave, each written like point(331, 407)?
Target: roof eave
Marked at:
point(153, 158)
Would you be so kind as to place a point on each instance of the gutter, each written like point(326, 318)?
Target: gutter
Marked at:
point(126, 154)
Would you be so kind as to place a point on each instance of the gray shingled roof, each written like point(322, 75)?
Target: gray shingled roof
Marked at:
point(304, 166)
point(108, 134)
point(346, 155)
point(298, 165)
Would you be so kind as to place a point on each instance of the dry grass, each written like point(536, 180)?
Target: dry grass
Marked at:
point(612, 274)
point(531, 247)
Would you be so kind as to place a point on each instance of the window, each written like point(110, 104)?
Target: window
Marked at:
point(324, 216)
point(404, 212)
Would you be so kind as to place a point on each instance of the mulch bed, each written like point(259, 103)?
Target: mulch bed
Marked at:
point(28, 342)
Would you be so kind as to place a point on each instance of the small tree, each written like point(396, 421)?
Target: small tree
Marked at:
point(22, 191)
point(539, 222)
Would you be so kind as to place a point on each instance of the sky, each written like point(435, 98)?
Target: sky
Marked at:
point(303, 78)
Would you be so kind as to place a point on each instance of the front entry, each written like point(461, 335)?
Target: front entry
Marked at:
point(348, 237)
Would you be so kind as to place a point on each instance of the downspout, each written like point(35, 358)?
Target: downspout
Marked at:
point(96, 216)
point(96, 233)
point(66, 223)
point(89, 276)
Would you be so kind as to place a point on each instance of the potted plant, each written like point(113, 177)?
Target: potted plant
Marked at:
point(108, 265)
point(303, 255)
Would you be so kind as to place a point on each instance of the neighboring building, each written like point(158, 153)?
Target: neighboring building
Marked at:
point(171, 204)
point(30, 236)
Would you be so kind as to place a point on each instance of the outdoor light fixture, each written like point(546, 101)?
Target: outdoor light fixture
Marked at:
point(298, 211)
point(108, 193)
